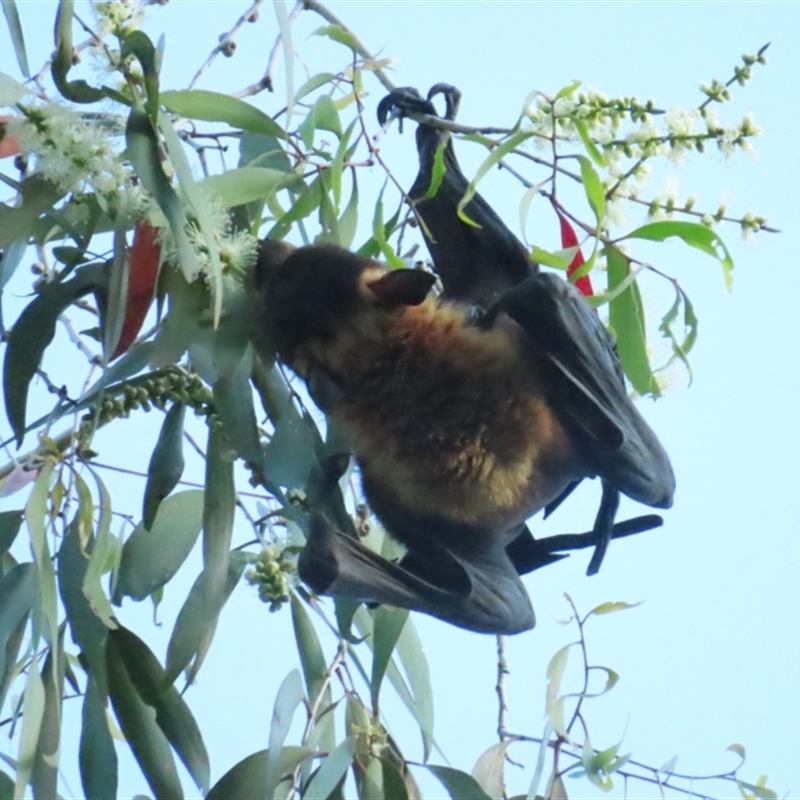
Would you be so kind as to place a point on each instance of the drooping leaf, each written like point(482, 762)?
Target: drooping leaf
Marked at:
point(138, 723)
point(693, 234)
point(555, 672)
point(458, 784)
point(32, 715)
point(237, 187)
point(144, 152)
point(15, 29)
point(10, 523)
point(388, 626)
point(18, 594)
point(44, 776)
point(332, 770)
point(593, 187)
point(415, 665)
point(77, 91)
point(197, 620)
point(137, 43)
point(290, 695)
point(202, 211)
point(626, 318)
point(151, 557)
point(215, 107)
point(88, 632)
point(166, 464)
point(45, 622)
point(97, 756)
point(309, 649)
point(31, 335)
point(247, 779)
point(172, 715)
point(38, 196)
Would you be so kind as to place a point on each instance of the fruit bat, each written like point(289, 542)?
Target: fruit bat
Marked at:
point(467, 414)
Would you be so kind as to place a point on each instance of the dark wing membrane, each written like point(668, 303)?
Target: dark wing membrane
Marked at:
point(590, 397)
point(476, 262)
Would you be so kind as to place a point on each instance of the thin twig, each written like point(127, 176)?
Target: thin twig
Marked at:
point(226, 39)
point(500, 688)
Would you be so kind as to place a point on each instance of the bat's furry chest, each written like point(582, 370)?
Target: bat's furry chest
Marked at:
point(450, 419)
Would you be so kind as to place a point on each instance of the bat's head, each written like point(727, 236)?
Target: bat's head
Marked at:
point(313, 297)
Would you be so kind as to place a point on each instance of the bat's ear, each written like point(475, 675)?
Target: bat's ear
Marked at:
point(270, 255)
point(402, 287)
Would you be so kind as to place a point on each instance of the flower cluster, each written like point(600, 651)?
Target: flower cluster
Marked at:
point(68, 152)
point(119, 17)
point(274, 573)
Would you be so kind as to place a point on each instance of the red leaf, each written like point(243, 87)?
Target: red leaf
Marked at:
point(569, 239)
point(142, 274)
point(9, 145)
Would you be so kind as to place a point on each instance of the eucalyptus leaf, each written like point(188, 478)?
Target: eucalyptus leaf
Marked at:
point(246, 780)
point(150, 558)
point(97, 756)
point(166, 463)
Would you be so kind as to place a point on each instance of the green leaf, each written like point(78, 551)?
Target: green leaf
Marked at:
point(32, 715)
point(338, 34)
point(18, 594)
point(333, 769)
point(151, 558)
point(202, 210)
point(314, 83)
point(6, 787)
point(566, 91)
point(166, 463)
point(549, 259)
point(237, 187)
point(290, 454)
point(290, 695)
point(215, 107)
point(591, 147)
point(32, 334)
point(77, 91)
point(10, 523)
point(197, 620)
point(438, 170)
point(233, 401)
point(415, 665)
point(302, 206)
point(309, 649)
point(88, 631)
point(682, 349)
point(97, 756)
point(326, 116)
point(613, 606)
point(555, 672)
point(172, 715)
point(144, 152)
point(459, 785)
point(285, 28)
point(9, 654)
point(138, 723)
point(102, 550)
point(593, 187)
point(388, 626)
point(35, 515)
point(44, 777)
point(38, 196)
point(137, 43)
point(246, 780)
point(15, 29)
point(219, 508)
point(693, 234)
point(494, 157)
point(307, 128)
point(626, 318)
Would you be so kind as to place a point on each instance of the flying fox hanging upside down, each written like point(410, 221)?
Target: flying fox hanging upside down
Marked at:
point(464, 421)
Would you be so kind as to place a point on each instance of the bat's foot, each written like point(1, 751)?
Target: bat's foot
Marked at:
point(407, 101)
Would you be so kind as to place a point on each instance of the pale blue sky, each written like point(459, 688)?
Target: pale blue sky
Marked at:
point(711, 657)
